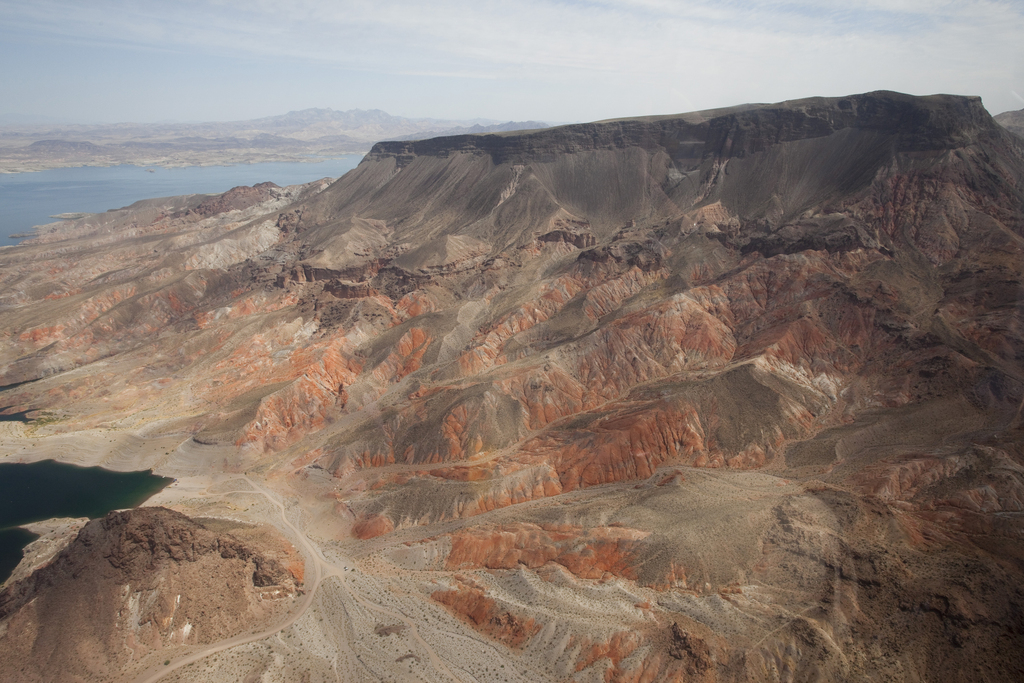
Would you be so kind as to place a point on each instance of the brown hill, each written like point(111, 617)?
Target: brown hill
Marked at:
point(133, 583)
point(1012, 121)
point(759, 368)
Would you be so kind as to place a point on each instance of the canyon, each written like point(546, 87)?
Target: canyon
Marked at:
point(732, 395)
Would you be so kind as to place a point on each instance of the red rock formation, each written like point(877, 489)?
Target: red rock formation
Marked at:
point(249, 305)
point(624, 447)
point(589, 554)
point(372, 527)
point(406, 356)
point(307, 403)
point(415, 303)
point(471, 603)
point(488, 345)
point(616, 649)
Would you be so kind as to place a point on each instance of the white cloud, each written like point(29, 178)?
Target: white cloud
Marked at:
point(654, 50)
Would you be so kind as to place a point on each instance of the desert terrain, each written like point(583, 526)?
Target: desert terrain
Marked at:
point(306, 135)
point(732, 395)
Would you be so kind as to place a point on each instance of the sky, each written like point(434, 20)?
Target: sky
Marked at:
point(558, 61)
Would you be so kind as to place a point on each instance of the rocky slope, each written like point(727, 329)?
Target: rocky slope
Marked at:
point(731, 395)
point(135, 583)
point(1012, 121)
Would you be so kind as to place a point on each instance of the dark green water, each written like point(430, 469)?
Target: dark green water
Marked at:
point(14, 417)
point(36, 491)
point(11, 543)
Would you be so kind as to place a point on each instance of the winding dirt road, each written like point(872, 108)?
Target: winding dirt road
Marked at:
point(322, 569)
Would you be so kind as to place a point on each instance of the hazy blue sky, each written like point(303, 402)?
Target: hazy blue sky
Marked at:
point(190, 60)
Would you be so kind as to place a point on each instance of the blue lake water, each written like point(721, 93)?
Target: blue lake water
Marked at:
point(28, 199)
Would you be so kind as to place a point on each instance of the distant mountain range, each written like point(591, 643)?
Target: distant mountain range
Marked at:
point(295, 136)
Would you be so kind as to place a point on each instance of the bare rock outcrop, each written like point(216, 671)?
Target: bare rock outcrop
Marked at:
point(133, 583)
point(235, 199)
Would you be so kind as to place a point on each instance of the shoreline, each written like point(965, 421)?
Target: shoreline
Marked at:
point(47, 196)
point(176, 456)
point(7, 168)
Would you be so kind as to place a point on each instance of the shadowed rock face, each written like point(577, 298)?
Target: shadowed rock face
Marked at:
point(763, 363)
point(134, 582)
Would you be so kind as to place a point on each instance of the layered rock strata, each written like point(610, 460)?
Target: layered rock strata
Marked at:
point(730, 395)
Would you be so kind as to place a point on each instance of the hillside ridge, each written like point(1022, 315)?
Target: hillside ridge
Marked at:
point(936, 122)
point(700, 397)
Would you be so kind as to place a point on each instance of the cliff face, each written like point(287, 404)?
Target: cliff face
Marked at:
point(133, 583)
point(918, 124)
point(767, 358)
point(800, 153)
